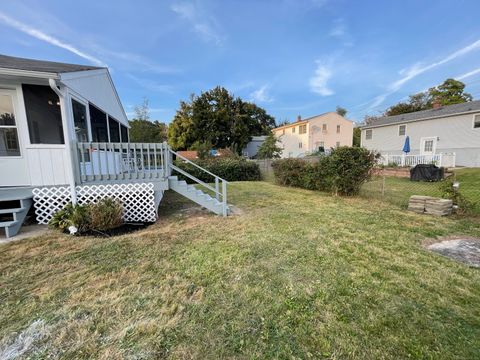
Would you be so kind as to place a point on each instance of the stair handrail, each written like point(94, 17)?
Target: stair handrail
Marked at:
point(217, 178)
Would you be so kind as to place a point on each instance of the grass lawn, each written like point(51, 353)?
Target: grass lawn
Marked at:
point(299, 274)
point(398, 190)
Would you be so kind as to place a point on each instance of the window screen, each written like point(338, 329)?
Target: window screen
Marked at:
point(402, 129)
point(368, 134)
point(124, 134)
point(43, 114)
point(114, 128)
point(98, 123)
point(80, 119)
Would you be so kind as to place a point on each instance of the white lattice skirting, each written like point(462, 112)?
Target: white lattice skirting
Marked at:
point(138, 199)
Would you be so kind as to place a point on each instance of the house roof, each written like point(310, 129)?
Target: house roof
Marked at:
point(16, 63)
point(304, 121)
point(441, 112)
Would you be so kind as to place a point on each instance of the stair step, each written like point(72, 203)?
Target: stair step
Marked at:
point(4, 224)
point(11, 211)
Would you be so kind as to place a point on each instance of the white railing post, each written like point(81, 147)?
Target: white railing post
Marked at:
point(216, 188)
point(440, 158)
point(403, 160)
point(224, 197)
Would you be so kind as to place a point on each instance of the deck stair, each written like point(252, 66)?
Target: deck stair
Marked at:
point(198, 196)
point(13, 212)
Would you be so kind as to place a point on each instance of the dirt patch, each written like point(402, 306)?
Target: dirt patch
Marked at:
point(24, 341)
point(463, 249)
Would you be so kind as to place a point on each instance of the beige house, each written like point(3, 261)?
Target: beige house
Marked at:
point(304, 137)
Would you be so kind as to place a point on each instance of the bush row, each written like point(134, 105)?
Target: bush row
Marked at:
point(342, 172)
point(230, 169)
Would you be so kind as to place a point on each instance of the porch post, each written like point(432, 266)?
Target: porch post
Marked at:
point(67, 139)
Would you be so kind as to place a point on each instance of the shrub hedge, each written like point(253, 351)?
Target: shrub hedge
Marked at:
point(230, 169)
point(342, 172)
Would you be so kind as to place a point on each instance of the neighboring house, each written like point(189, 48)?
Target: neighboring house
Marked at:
point(251, 149)
point(62, 127)
point(446, 131)
point(304, 137)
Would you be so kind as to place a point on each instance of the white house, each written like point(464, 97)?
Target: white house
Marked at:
point(64, 137)
point(306, 136)
point(446, 135)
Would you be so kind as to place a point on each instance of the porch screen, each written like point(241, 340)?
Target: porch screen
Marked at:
point(114, 128)
point(98, 122)
point(124, 133)
point(43, 114)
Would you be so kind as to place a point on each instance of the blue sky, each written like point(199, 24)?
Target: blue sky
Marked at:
point(289, 56)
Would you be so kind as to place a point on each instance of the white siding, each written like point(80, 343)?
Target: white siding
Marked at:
point(97, 88)
point(290, 141)
point(454, 134)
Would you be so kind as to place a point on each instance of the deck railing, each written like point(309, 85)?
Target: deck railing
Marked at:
point(99, 162)
point(446, 160)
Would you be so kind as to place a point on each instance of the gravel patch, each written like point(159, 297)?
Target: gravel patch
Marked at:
point(463, 250)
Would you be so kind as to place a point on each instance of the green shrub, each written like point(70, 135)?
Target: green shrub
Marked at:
point(106, 214)
point(342, 172)
point(71, 215)
point(230, 169)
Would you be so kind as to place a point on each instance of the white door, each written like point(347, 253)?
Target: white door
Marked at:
point(428, 145)
point(13, 163)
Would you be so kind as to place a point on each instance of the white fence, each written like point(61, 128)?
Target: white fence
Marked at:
point(445, 160)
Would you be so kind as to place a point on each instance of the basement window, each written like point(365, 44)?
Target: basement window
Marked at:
point(43, 114)
point(368, 134)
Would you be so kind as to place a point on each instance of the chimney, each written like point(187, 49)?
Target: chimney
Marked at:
point(299, 118)
point(436, 104)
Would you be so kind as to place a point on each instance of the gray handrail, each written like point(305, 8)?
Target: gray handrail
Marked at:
point(176, 168)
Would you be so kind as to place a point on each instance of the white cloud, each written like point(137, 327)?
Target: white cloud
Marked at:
point(418, 69)
point(468, 74)
point(261, 94)
point(40, 35)
point(204, 25)
point(319, 81)
point(339, 28)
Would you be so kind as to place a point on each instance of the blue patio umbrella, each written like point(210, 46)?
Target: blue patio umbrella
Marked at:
point(406, 146)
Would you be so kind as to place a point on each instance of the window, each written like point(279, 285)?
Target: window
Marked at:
point(302, 129)
point(428, 146)
point(324, 127)
point(283, 132)
point(293, 129)
point(368, 134)
point(114, 128)
point(43, 114)
point(476, 122)
point(402, 130)
point(98, 124)
point(124, 133)
point(80, 120)
point(9, 145)
point(338, 144)
point(338, 129)
point(322, 144)
point(300, 145)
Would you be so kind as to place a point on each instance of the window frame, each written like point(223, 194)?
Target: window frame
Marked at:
point(302, 129)
point(367, 131)
point(87, 108)
point(324, 127)
point(293, 129)
point(405, 132)
point(474, 121)
point(337, 144)
point(300, 145)
point(338, 128)
point(12, 96)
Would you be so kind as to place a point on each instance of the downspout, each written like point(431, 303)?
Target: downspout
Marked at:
point(67, 139)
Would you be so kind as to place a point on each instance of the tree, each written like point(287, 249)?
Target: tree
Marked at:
point(449, 93)
point(144, 130)
point(341, 111)
point(218, 118)
point(357, 133)
point(269, 148)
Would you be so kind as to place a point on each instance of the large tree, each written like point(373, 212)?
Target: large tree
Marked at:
point(144, 130)
point(218, 118)
point(448, 93)
point(269, 148)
